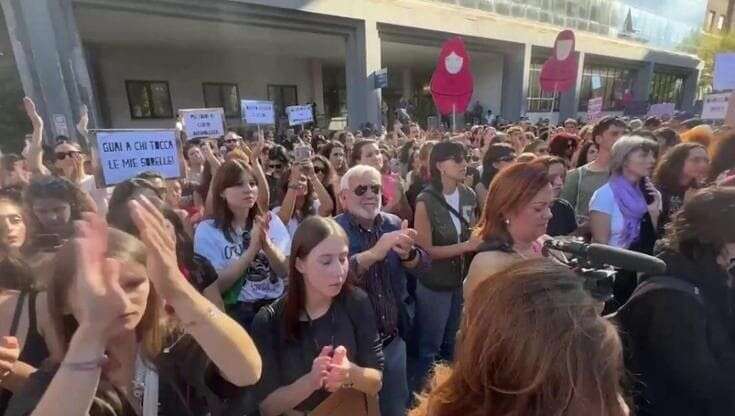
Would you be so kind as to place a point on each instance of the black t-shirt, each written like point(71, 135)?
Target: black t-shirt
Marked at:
point(564, 221)
point(349, 322)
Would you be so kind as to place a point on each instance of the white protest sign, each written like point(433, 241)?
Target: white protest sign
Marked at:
point(596, 82)
point(60, 126)
point(299, 114)
point(203, 122)
point(662, 109)
point(258, 112)
point(714, 106)
point(122, 154)
point(724, 73)
point(594, 109)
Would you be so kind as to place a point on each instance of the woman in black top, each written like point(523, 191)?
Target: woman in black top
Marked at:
point(678, 328)
point(105, 306)
point(682, 169)
point(323, 335)
point(563, 220)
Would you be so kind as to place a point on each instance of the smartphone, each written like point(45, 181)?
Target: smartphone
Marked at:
point(650, 197)
point(48, 242)
point(301, 153)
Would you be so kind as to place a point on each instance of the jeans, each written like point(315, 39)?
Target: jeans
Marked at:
point(394, 394)
point(437, 321)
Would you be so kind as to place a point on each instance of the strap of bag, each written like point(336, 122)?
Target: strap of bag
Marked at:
point(18, 312)
point(448, 207)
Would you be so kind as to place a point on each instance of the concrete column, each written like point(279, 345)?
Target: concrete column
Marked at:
point(516, 67)
point(642, 82)
point(50, 59)
point(407, 82)
point(689, 90)
point(317, 85)
point(362, 60)
point(569, 101)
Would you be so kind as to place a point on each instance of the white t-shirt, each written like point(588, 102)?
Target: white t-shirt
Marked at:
point(210, 242)
point(100, 196)
point(603, 200)
point(293, 223)
point(453, 201)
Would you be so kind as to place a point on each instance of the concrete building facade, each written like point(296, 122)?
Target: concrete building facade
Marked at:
point(135, 63)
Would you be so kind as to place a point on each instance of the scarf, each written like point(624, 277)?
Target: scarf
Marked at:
point(632, 205)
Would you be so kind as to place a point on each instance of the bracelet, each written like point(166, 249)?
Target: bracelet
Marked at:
point(411, 255)
point(85, 365)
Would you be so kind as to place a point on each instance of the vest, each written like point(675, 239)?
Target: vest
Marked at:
point(447, 274)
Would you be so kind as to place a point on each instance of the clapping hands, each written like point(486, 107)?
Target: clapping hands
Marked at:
point(331, 369)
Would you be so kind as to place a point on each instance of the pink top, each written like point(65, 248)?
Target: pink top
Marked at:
point(390, 184)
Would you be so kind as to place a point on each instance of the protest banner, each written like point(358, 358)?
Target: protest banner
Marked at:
point(452, 83)
point(258, 112)
point(714, 106)
point(724, 73)
point(299, 115)
point(661, 110)
point(594, 109)
point(203, 122)
point(118, 155)
point(559, 72)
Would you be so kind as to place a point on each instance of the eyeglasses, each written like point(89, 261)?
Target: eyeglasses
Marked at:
point(360, 190)
point(64, 155)
point(275, 165)
point(232, 141)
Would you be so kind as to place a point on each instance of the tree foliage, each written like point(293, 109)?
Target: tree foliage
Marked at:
point(706, 46)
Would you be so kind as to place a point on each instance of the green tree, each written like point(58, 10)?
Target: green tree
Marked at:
point(706, 46)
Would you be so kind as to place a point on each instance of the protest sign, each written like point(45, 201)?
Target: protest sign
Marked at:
point(662, 109)
point(724, 73)
point(714, 106)
point(452, 82)
point(203, 122)
point(258, 112)
point(596, 82)
point(299, 114)
point(594, 109)
point(121, 154)
point(559, 72)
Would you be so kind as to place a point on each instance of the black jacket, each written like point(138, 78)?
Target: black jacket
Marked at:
point(680, 345)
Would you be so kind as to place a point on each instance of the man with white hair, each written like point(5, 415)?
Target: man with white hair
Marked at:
point(381, 250)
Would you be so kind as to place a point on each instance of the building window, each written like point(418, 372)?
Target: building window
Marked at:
point(226, 96)
point(667, 88)
point(710, 20)
point(539, 101)
point(282, 97)
point(720, 22)
point(615, 83)
point(149, 99)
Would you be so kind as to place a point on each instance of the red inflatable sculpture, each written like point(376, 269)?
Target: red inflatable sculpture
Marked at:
point(559, 72)
point(452, 83)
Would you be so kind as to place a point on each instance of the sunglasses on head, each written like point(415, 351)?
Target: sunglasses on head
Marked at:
point(64, 155)
point(360, 190)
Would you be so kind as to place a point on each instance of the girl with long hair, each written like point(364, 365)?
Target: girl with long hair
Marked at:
point(322, 336)
point(118, 356)
point(496, 158)
point(304, 195)
point(551, 353)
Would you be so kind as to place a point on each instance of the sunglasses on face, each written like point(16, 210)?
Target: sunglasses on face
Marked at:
point(231, 141)
point(64, 155)
point(275, 166)
point(360, 190)
point(320, 169)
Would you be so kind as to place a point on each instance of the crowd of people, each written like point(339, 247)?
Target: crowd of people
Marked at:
point(387, 272)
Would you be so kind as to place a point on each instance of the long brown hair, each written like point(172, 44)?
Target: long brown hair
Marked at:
point(513, 188)
point(229, 174)
point(669, 170)
point(308, 235)
point(125, 248)
point(531, 343)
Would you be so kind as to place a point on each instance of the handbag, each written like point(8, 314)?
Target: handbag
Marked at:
point(348, 402)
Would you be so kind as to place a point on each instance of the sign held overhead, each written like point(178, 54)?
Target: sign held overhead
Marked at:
point(119, 155)
point(203, 122)
point(299, 114)
point(258, 112)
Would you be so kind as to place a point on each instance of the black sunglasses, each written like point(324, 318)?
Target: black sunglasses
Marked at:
point(360, 190)
point(319, 169)
point(275, 165)
point(64, 155)
point(232, 140)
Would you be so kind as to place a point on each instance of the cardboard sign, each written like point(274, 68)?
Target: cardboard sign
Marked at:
point(662, 109)
point(299, 114)
point(724, 73)
point(121, 154)
point(203, 122)
point(714, 106)
point(559, 72)
point(596, 82)
point(452, 82)
point(60, 126)
point(258, 112)
point(594, 109)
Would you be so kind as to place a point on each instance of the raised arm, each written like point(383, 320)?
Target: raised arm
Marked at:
point(35, 150)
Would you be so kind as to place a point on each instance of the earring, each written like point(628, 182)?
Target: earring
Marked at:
point(507, 221)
